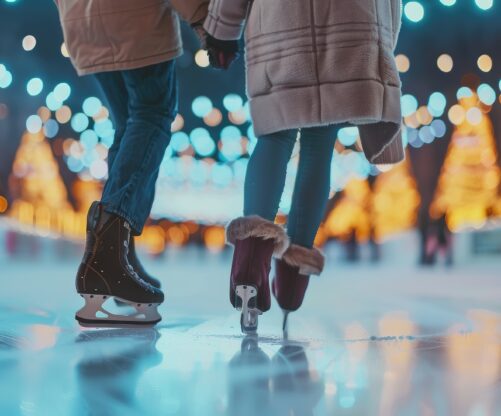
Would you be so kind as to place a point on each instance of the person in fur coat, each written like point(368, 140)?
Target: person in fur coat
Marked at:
point(311, 66)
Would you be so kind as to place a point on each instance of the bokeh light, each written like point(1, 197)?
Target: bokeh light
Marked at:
point(34, 86)
point(202, 59)
point(484, 4)
point(486, 94)
point(484, 63)
point(233, 102)
point(62, 92)
point(201, 106)
point(29, 43)
point(414, 11)
point(409, 104)
point(34, 124)
point(445, 63)
point(79, 122)
point(403, 63)
point(91, 106)
point(51, 128)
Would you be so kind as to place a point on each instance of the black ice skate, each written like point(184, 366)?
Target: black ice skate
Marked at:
point(139, 269)
point(105, 273)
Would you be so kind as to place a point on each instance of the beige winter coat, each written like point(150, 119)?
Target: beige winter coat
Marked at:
point(110, 35)
point(318, 62)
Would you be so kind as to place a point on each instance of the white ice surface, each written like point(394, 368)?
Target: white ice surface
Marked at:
point(388, 339)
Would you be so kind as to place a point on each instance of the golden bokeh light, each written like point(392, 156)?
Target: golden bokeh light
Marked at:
point(215, 238)
point(202, 59)
point(214, 118)
point(63, 115)
point(484, 63)
point(44, 113)
point(64, 50)
point(177, 124)
point(403, 63)
point(456, 114)
point(3, 204)
point(445, 63)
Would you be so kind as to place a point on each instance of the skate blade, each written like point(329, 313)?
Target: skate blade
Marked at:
point(285, 324)
point(249, 316)
point(146, 314)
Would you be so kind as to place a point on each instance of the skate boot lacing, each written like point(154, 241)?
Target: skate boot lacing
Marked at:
point(133, 274)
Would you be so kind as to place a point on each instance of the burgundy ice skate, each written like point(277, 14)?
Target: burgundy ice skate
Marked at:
point(256, 240)
point(292, 276)
point(105, 273)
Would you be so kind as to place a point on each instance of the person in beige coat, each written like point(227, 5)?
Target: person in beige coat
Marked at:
point(311, 65)
point(130, 47)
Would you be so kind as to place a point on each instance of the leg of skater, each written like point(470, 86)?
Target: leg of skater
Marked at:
point(311, 193)
point(127, 200)
point(115, 90)
point(255, 236)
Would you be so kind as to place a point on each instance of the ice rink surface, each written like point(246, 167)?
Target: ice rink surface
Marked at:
point(386, 339)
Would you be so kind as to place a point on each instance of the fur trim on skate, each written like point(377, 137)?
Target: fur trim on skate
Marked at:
point(309, 260)
point(255, 226)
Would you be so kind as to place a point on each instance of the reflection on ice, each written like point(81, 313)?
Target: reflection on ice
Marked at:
point(386, 341)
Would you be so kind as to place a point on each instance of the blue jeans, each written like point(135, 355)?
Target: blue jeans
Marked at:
point(266, 174)
point(143, 105)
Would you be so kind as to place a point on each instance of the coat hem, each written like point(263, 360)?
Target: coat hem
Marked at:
point(128, 65)
point(370, 104)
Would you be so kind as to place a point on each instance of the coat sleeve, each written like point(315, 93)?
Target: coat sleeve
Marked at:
point(192, 11)
point(226, 19)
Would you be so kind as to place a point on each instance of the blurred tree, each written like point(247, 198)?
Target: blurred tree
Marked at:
point(467, 192)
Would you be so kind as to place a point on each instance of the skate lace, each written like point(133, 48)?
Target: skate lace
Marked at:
point(145, 285)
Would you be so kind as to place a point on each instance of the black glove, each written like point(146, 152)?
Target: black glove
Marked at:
point(221, 53)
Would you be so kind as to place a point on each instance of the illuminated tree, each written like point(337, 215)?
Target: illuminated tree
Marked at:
point(387, 207)
point(467, 192)
point(395, 201)
point(39, 195)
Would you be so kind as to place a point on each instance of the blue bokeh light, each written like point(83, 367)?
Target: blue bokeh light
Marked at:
point(436, 104)
point(34, 86)
point(62, 92)
point(89, 139)
point(53, 104)
point(409, 104)
point(486, 94)
point(464, 92)
point(348, 136)
point(79, 122)
point(180, 142)
point(5, 77)
point(233, 102)
point(484, 4)
point(414, 11)
point(201, 106)
point(91, 106)
point(34, 124)
point(202, 142)
point(51, 128)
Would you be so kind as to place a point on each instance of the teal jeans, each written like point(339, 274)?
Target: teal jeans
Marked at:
point(266, 174)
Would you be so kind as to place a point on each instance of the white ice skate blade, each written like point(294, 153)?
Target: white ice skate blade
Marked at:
point(249, 317)
point(146, 314)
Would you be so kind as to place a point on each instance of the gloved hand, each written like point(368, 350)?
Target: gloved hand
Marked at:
point(221, 53)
